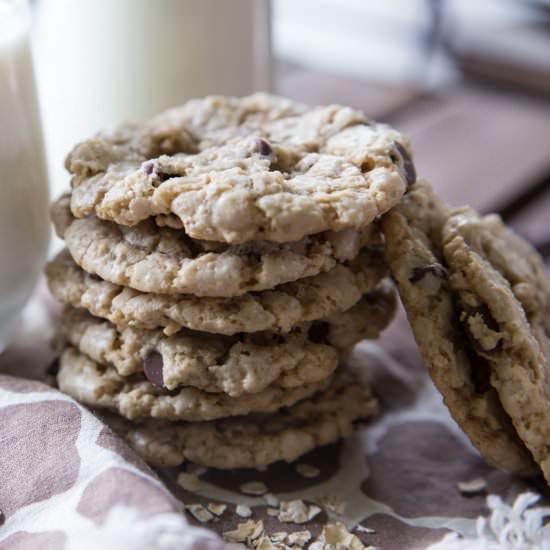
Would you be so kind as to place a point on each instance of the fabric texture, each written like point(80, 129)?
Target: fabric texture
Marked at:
point(69, 483)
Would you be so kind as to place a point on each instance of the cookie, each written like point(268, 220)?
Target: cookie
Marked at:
point(504, 296)
point(259, 439)
point(235, 365)
point(277, 310)
point(413, 232)
point(134, 396)
point(166, 261)
point(255, 171)
point(243, 363)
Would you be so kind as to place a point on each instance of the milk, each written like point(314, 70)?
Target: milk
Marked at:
point(102, 61)
point(23, 182)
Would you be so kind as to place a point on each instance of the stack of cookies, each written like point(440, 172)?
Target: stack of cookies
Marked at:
point(221, 261)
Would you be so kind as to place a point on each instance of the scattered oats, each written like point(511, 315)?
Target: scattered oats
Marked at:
point(363, 529)
point(271, 500)
point(472, 487)
point(306, 470)
point(279, 536)
point(256, 488)
point(335, 536)
point(190, 482)
point(199, 512)
point(298, 538)
point(245, 532)
point(243, 511)
point(333, 504)
point(272, 512)
point(297, 511)
point(265, 543)
point(217, 509)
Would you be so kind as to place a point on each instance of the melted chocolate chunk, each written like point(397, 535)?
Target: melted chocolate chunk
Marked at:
point(408, 164)
point(152, 367)
point(2, 518)
point(480, 373)
point(437, 270)
point(263, 147)
point(163, 176)
point(318, 333)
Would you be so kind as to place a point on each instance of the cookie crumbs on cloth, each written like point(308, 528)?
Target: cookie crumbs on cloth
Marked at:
point(216, 509)
point(243, 511)
point(297, 511)
point(336, 537)
point(199, 512)
point(519, 526)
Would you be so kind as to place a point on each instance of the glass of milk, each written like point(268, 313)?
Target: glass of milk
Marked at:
point(99, 62)
point(24, 227)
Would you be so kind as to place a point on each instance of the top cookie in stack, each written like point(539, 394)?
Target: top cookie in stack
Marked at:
point(220, 259)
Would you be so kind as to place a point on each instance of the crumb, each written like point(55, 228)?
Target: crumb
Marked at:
point(243, 511)
point(199, 512)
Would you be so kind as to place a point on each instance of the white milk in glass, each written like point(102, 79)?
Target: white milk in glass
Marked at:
point(103, 61)
point(23, 182)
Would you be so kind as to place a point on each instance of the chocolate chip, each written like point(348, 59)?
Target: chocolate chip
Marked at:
point(437, 270)
point(2, 518)
point(152, 367)
point(163, 176)
point(480, 373)
point(53, 368)
point(148, 168)
point(263, 147)
point(408, 165)
point(318, 333)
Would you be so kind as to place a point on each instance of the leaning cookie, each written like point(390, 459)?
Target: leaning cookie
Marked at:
point(166, 261)
point(504, 298)
point(276, 178)
point(259, 439)
point(276, 310)
point(101, 386)
point(236, 365)
point(414, 240)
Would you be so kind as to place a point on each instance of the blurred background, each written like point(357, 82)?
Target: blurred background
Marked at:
point(469, 82)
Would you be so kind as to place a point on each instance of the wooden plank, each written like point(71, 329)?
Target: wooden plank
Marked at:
point(479, 146)
point(376, 99)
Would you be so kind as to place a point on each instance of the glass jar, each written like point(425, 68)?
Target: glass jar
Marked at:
point(100, 62)
point(24, 226)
